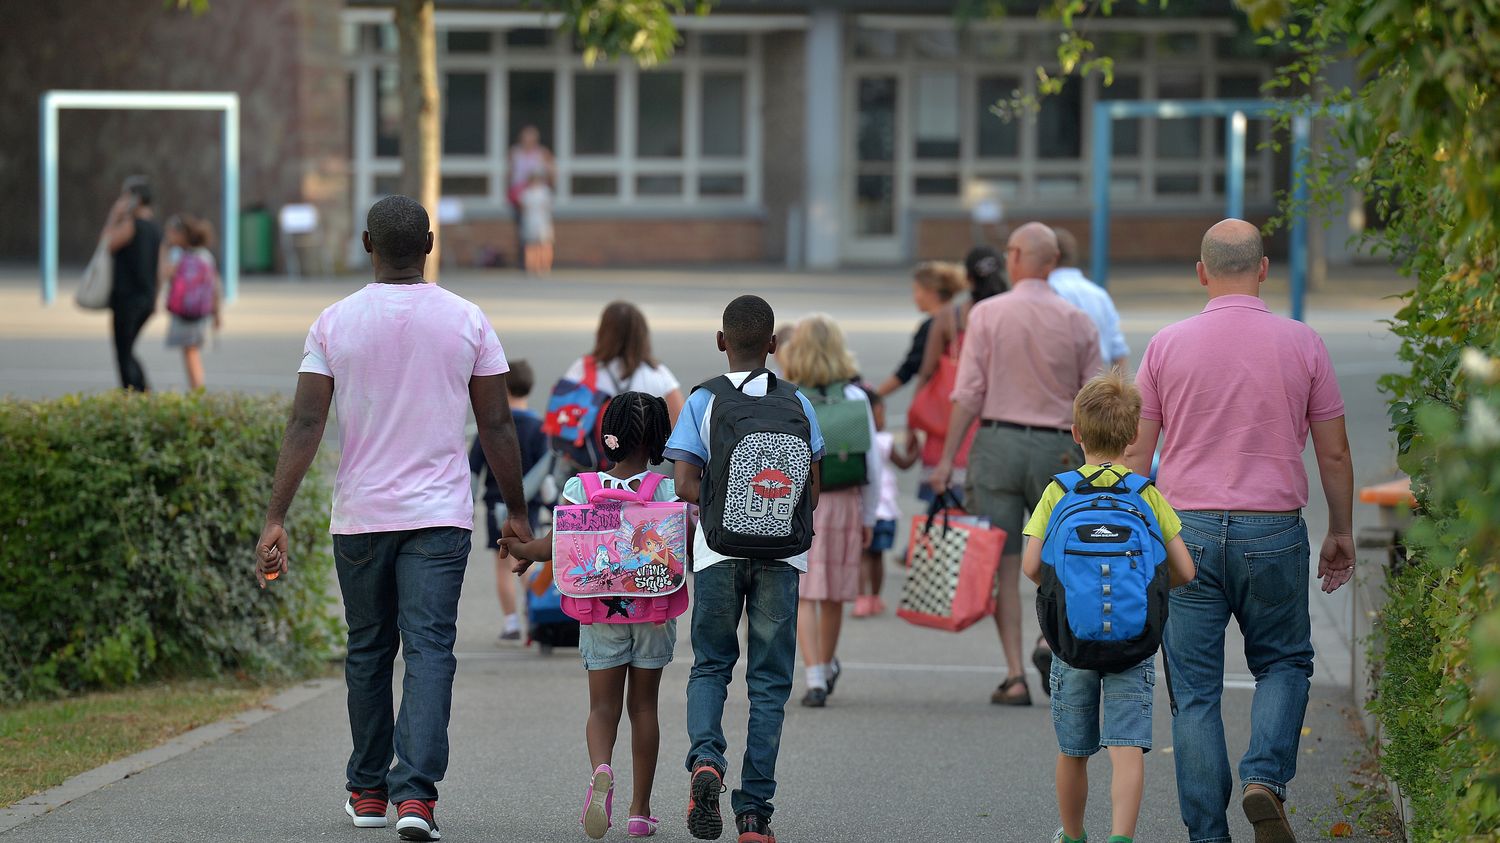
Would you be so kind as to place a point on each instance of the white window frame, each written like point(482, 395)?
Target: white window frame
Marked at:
point(1027, 168)
point(559, 59)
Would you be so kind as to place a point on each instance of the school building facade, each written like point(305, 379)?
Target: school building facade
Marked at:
point(817, 134)
point(810, 133)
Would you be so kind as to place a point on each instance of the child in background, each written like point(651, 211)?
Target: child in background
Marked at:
point(533, 448)
point(819, 362)
point(620, 655)
point(536, 224)
point(872, 573)
point(1106, 414)
point(188, 263)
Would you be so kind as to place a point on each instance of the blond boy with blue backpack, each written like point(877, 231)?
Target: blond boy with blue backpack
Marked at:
point(1103, 548)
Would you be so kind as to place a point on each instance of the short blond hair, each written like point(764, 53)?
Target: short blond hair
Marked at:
point(1107, 412)
point(941, 277)
point(816, 355)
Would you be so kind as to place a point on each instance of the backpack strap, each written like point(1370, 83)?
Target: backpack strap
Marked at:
point(722, 385)
point(590, 372)
point(1137, 483)
point(1070, 480)
point(649, 483)
point(591, 485)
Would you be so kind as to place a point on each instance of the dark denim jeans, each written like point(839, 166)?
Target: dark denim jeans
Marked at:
point(401, 590)
point(767, 591)
point(1254, 569)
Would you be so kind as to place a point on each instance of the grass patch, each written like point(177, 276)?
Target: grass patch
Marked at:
point(42, 744)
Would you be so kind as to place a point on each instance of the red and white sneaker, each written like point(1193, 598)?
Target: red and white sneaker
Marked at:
point(367, 808)
point(415, 820)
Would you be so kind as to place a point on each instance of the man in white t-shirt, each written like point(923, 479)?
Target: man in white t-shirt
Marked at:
point(403, 360)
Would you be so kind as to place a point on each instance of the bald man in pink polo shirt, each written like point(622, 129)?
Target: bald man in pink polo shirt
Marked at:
point(1236, 391)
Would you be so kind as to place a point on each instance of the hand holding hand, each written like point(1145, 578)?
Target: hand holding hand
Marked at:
point(867, 535)
point(270, 554)
point(1336, 561)
point(515, 527)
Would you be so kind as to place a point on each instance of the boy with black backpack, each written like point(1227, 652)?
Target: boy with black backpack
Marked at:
point(1103, 548)
point(747, 448)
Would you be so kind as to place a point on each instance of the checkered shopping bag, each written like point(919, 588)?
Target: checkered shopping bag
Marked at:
point(953, 559)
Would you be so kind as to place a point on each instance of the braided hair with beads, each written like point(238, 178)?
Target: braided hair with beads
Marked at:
point(634, 420)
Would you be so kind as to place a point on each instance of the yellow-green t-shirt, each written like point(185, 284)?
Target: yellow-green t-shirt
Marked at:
point(1171, 525)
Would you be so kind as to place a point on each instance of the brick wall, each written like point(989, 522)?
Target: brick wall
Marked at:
point(1132, 238)
point(618, 241)
point(280, 56)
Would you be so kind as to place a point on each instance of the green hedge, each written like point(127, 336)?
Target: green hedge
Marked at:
point(127, 532)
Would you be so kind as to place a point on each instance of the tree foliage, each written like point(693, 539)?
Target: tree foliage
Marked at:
point(1421, 140)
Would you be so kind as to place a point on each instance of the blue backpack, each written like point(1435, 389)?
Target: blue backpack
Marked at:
point(574, 413)
point(1102, 602)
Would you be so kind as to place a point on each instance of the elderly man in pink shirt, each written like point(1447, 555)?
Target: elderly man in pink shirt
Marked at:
point(1236, 390)
point(1026, 353)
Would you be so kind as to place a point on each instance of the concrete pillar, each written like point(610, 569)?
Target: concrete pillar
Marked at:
point(824, 139)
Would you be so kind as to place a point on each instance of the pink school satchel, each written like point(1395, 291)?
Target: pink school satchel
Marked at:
point(621, 557)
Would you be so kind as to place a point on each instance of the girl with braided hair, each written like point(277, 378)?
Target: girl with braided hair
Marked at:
point(624, 660)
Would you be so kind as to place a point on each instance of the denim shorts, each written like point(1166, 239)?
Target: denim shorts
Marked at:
point(1126, 707)
point(883, 537)
point(648, 646)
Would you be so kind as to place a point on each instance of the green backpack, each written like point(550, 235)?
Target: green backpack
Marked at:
point(845, 425)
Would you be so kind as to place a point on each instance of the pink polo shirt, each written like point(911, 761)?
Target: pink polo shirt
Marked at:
point(1236, 389)
point(401, 357)
point(1026, 354)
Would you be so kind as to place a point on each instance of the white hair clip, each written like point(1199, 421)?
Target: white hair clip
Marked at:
point(611, 441)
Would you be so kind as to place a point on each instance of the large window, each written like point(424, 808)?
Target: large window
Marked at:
point(952, 142)
point(682, 134)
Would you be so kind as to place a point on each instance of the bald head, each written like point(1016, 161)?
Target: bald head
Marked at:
point(1032, 251)
point(1232, 250)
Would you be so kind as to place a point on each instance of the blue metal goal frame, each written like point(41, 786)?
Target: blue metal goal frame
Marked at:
point(1238, 112)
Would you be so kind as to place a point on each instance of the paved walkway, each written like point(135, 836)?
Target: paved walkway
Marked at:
point(908, 749)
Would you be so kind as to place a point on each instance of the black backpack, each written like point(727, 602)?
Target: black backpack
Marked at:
point(754, 494)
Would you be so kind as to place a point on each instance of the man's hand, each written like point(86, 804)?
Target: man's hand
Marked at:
point(516, 527)
point(270, 553)
point(1336, 561)
point(941, 474)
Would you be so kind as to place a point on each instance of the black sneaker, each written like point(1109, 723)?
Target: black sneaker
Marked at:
point(835, 670)
point(815, 698)
point(415, 820)
point(754, 828)
point(704, 820)
point(367, 808)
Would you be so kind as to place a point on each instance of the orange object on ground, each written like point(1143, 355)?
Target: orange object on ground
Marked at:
point(1395, 493)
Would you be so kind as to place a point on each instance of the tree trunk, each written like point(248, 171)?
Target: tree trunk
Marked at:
point(420, 134)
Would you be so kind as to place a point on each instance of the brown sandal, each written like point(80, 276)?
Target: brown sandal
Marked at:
point(1003, 697)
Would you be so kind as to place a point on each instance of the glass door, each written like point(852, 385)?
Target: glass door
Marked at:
point(872, 212)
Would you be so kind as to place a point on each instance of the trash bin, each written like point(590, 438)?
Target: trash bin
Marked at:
point(257, 240)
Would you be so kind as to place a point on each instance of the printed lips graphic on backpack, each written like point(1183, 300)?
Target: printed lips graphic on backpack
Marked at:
point(754, 492)
point(1102, 602)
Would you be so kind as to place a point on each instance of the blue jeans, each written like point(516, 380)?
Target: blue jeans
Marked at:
point(401, 590)
point(1254, 569)
point(767, 591)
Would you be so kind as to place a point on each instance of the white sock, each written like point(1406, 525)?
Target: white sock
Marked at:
point(815, 674)
point(512, 622)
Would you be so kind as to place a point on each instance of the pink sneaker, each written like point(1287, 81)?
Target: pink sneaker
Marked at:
point(599, 803)
point(862, 607)
point(877, 605)
point(643, 826)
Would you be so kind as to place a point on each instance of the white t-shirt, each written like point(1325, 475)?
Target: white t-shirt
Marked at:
point(573, 493)
point(657, 380)
point(890, 496)
point(401, 357)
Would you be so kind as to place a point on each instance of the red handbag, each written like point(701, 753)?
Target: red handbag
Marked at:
point(953, 559)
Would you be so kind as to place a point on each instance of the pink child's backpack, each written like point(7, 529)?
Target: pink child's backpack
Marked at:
point(621, 557)
point(193, 284)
